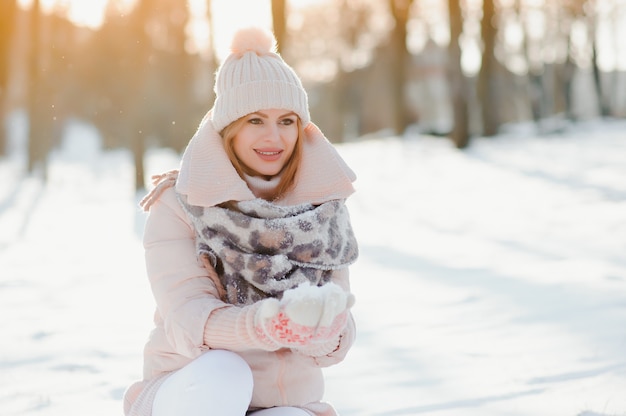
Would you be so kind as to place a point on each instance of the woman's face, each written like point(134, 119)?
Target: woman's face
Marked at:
point(266, 141)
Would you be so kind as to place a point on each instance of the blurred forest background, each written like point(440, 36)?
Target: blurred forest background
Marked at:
point(458, 69)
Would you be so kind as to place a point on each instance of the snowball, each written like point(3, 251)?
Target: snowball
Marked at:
point(311, 305)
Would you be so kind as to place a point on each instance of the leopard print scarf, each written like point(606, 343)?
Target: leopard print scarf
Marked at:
point(260, 249)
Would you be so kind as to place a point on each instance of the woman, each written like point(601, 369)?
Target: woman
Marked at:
point(247, 249)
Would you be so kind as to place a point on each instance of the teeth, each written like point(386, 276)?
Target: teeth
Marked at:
point(267, 153)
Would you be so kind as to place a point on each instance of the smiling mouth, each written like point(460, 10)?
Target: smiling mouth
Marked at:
point(264, 153)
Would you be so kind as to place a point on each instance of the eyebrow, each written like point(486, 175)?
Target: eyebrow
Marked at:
point(260, 114)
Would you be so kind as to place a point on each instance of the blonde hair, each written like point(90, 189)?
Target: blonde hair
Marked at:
point(288, 172)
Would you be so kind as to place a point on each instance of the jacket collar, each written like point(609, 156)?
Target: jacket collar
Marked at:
point(208, 178)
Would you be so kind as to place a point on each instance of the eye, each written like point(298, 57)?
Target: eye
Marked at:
point(255, 120)
point(287, 121)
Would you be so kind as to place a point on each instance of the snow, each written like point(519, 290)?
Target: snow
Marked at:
point(313, 306)
point(491, 281)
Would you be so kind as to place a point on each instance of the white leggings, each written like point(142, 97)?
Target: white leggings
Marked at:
point(216, 383)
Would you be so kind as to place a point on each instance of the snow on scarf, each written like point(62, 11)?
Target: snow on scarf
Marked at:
point(260, 249)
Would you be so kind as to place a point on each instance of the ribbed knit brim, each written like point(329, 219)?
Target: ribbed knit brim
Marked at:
point(254, 96)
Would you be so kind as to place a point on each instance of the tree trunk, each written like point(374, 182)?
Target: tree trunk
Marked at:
point(279, 22)
point(567, 73)
point(400, 10)
point(460, 128)
point(138, 150)
point(8, 10)
point(183, 126)
point(138, 108)
point(212, 56)
point(37, 141)
point(487, 78)
point(533, 78)
point(605, 109)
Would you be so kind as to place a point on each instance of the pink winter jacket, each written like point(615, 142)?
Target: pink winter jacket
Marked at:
point(190, 318)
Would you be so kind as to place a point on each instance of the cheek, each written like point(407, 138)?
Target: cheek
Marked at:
point(291, 139)
point(240, 143)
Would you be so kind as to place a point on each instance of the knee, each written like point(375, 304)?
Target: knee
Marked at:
point(221, 375)
point(226, 366)
point(218, 380)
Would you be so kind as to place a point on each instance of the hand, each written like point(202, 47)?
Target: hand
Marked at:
point(305, 315)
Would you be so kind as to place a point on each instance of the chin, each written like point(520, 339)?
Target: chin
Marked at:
point(266, 173)
point(270, 172)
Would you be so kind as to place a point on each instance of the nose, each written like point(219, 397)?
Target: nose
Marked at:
point(272, 133)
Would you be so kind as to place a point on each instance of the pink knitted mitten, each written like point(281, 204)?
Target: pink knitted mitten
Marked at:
point(305, 315)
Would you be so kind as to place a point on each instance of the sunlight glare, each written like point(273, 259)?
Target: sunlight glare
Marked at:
point(87, 13)
point(228, 16)
point(81, 12)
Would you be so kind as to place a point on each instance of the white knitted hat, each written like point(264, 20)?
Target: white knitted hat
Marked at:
point(254, 77)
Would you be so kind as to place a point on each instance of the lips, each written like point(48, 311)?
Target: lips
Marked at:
point(269, 155)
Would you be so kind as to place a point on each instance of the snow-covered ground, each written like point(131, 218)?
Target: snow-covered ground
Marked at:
point(491, 281)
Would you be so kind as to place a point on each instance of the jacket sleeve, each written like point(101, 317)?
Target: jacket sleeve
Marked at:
point(184, 293)
point(194, 317)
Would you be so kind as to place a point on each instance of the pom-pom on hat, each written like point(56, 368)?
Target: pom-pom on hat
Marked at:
point(254, 77)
